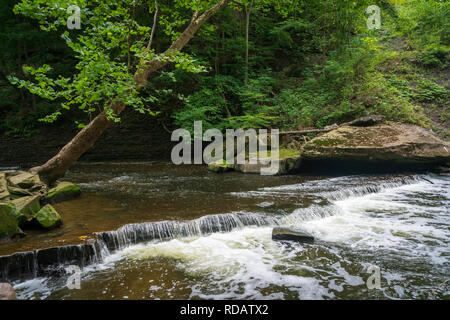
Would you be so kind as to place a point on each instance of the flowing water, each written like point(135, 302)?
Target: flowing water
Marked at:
point(183, 233)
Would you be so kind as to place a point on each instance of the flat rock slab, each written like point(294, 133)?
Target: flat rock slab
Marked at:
point(288, 234)
point(389, 143)
point(23, 180)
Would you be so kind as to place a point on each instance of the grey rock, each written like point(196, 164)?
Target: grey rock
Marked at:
point(288, 234)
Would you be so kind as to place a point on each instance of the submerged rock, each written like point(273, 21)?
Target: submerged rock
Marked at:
point(291, 235)
point(9, 225)
point(397, 144)
point(7, 292)
point(48, 217)
point(62, 192)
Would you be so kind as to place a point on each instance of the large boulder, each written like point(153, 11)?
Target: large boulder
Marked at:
point(48, 217)
point(7, 292)
point(390, 144)
point(62, 192)
point(27, 207)
point(9, 225)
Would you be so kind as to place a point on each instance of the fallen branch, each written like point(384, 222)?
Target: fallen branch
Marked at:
point(360, 122)
point(307, 131)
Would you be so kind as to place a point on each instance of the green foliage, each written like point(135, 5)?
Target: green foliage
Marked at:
point(427, 24)
point(223, 104)
point(429, 91)
point(435, 56)
point(311, 63)
point(109, 49)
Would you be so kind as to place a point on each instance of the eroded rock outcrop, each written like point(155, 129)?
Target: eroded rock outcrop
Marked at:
point(396, 144)
point(21, 196)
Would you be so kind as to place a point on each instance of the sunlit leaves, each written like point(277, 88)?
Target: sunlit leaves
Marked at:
point(109, 47)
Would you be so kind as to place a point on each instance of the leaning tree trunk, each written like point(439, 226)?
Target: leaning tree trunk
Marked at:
point(57, 166)
point(248, 10)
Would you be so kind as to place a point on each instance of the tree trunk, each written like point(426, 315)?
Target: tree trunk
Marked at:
point(57, 166)
point(248, 10)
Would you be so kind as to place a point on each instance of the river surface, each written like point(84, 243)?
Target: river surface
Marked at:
point(398, 224)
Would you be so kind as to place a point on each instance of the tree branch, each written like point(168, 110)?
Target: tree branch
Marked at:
point(157, 63)
point(155, 18)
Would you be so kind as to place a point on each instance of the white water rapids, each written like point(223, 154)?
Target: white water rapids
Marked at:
point(400, 225)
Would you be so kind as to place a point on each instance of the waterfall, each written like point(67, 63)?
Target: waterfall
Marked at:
point(47, 262)
point(164, 230)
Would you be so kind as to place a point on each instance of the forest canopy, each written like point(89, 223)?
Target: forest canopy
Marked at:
point(255, 64)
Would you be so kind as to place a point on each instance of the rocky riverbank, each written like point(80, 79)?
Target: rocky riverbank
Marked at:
point(26, 202)
point(363, 145)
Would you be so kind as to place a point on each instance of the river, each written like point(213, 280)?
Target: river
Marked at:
point(218, 241)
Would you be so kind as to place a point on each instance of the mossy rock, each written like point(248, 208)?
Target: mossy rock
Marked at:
point(62, 192)
point(220, 166)
point(24, 180)
point(27, 207)
point(9, 225)
point(48, 217)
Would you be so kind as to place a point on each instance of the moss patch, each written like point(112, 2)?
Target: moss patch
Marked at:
point(26, 208)
point(9, 225)
point(48, 217)
point(62, 192)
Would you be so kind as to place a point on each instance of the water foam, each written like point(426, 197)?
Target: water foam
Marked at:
point(400, 224)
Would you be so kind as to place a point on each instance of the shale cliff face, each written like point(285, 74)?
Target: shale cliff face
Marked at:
point(396, 144)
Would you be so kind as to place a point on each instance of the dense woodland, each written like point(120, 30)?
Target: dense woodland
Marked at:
point(290, 64)
point(352, 83)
